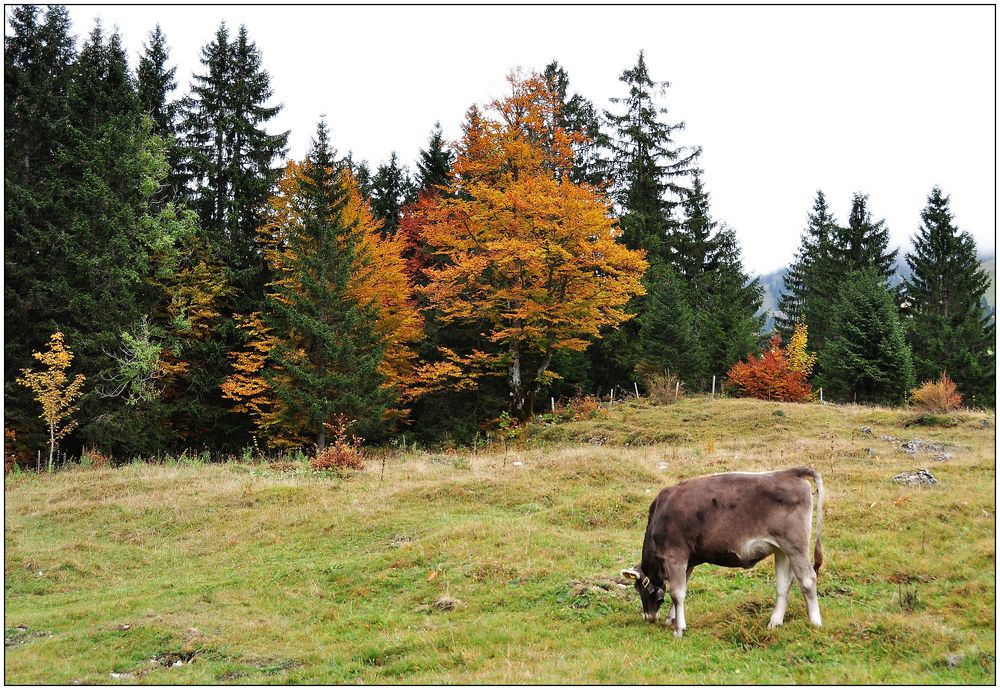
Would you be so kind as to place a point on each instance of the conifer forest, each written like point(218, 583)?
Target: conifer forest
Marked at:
point(174, 282)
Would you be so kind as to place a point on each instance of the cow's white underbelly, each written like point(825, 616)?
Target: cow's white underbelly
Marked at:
point(758, 548)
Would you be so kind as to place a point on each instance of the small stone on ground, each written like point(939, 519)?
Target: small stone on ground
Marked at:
point(920, 476)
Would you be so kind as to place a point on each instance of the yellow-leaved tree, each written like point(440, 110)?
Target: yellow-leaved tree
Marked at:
point(54, 391)
point(798, 358)
point(517, 246)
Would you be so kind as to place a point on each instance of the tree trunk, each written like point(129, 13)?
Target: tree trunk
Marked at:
point(321, 438)
point(516, 386)
point(535, 386)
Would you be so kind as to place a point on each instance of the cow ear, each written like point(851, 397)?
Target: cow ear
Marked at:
point(631, 573)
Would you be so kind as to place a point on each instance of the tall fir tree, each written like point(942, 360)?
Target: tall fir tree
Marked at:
point(863, 243)
point(668, 333)
point(231, 157)
point(812, 279)
point(338, 372)
point(722, 297)
point(577, 115)
point(38, 61)
point(866, 358)
point(434, 162)
point(231, 164)
point(87, 253)
point(391, 191)
point(319, 348)
point(647, 165)
point(948, 327)
point(155, 83)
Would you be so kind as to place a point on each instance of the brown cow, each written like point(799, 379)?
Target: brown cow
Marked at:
point(733, 519)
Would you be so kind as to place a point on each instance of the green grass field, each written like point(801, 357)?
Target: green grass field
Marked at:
point(502, 566)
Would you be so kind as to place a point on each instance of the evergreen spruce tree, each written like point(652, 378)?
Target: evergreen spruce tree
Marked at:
point(812, 280)
point(155, 84)
point(434, 162)
point(231, 164)
point(948, 327)
point(723, 298)
point(333, 366)
point(726, 309)
point(231, 157)
point(646, 163)
point(577, 115)
point(38, 60)
point(83, 251)
point(668, 335)
point(866, 358)
point(645, 166)
point(863, 243)
point(363, 175)
point(391, 190)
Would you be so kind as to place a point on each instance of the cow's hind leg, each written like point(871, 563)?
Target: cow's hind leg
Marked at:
point(677, 575)
point(806, 577)
point(783, 583)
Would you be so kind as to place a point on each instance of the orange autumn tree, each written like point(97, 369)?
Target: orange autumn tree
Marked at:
point(776, 375)
point(516, 246)
point(336, 338)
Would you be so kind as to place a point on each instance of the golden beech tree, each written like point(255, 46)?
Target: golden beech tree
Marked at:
point(518, 246)
point(54, 391)
point(798, 358)
point(336, 338)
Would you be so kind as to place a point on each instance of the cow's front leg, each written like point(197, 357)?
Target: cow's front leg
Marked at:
point(670, 618)
point(677, 574)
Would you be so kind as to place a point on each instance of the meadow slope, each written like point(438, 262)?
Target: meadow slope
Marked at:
point(502, 566)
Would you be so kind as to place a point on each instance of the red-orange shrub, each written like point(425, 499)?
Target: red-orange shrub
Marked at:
point(343, 454)
point(769, 378)
point(937, 396)
point(94, 458)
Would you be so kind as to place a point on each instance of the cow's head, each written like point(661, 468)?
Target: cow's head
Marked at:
point(651, 595)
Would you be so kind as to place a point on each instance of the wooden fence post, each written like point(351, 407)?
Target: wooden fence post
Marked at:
point(636, 389)
point(713, 385)
point(677, 390)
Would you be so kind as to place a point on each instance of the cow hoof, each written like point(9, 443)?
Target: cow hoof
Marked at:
point(678, 633)
point(774, 624)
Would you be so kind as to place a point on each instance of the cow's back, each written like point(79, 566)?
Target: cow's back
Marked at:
point(714, 517)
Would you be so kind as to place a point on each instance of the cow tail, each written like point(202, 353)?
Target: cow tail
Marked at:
point(818, 549)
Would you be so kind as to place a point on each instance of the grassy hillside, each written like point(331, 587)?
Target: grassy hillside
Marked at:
point(502, 566)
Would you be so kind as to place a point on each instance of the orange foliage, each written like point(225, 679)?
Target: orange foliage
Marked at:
point(770, 378)
point(378, 279)
point(517, 245)
point(937, 396)
point(343, 454)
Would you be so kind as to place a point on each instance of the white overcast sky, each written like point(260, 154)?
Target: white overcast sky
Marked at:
point(784, 100)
